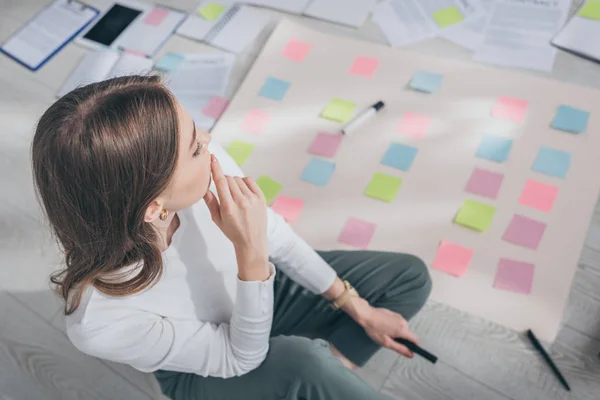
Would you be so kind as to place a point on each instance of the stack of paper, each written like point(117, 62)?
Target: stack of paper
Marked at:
point(581, 33)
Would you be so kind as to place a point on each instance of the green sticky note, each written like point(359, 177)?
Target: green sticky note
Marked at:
point(338, 110)
point(269, 187)
point(240, 151)
point(383, 187)
point(447, 16)
point(475, 215)
point(211, 11)
point(591, 10)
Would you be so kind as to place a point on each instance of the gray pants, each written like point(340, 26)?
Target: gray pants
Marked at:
point(299, 364)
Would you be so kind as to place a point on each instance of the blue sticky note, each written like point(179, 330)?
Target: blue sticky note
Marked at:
point(570, 119)
point(552, 162)
point(494, 148)
point(274, 88)
point(426, 82)
point(399, 156)
point(318, 172)
point(169, 62)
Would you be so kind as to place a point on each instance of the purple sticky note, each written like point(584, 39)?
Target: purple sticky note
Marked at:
point(485, 183)
point(357, 233)
point(510, 108)
point(296, 50)
point(364, 66)
point(288, 207)
point(514, 276)
point(325, 144)
point(538, 195)
point(524, 232)
point(215, 107)
point(255, 122)
point(452, 259)
point(156, 16)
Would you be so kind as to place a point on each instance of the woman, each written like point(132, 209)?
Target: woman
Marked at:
point(217, 297)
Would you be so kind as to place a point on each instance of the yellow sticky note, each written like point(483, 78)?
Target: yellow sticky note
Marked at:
point(338, 110)
point(211, 11)
point(591, 10)
point(240, 151)
point(447, 16)
point(475, 215)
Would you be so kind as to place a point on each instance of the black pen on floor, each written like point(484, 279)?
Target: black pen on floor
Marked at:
point(547, 358)
point(418, 350)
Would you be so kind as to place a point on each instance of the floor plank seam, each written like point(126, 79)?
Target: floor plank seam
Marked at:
point(490, 388)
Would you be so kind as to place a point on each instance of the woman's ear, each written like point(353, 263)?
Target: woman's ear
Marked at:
point(153, 211)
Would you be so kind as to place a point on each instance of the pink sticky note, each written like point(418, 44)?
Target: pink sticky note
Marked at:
point(325, 144)
point(215, 107)
point(255, 122)
point(485, 183)
point(510, 108)
point(135, 52)
point(296, 50)
point(364, 66)
point(414, 125)
point(357, 233)
point(288, 207)
point(538, 195)
point(514, 276)
point(452, 258)
point(524, 232)
point(156, 16)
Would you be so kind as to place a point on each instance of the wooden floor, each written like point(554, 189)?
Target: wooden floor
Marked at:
point(478, 360)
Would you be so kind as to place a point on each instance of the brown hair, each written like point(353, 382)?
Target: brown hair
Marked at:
point(101, 154)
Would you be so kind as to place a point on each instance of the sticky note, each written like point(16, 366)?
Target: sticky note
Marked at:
point(364, 66)
point(156, 16)
point(514, 276)
point(399, 156)
point(269, 187)
point(274, 88)
point(590, 10)
point(552, 162)
point(212, 11)
point(325, 144)
point(524, 231)
point(447, 16)
point(426, 82)
point(452, 258)
point(296, 50)
point(485, 183)
point(288, 207)
point(475, 215)
point(414, 125)
point(338, 110)
point(169, 62)
point(255, 122)
point(318, 172)
point(215, 107)
point(494, 148)
point(240, 151)
point(570, 119)
point(383, 187)
point(357, 233)
point(538, 195)
point(510, 108)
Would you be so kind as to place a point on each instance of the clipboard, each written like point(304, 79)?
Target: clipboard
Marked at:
point(58, 24)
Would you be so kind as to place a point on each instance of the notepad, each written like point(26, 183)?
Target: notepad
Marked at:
point(399, 156)
point(538, 195)
point(274, 88)
point(269, 187)
point(475, 215)
point(225, 31)
point(288, 207)
point(318, 172)
point(100, 65)
point(357, 233)
point(448, 16)
point(552, 162)
point(494, 148)
point(510, 108)
point(345, 12)
point(364, 66)
point(426, 82)
point(525, 231)
point(514, 276)
point(325, 144)
point(215, 107)
point(570, 119)
point(47, 32)
point(296, 50)
point(255, 122)
point(579, 34)
point(240, 151)
point(590, 10)
point(156, 16)
point(339, 110)
point(414, 125)
point(211, 11)
point(383, 187)
point(452, 258)
point(485, 183)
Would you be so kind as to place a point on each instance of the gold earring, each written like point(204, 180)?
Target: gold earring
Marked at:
point(163, 215)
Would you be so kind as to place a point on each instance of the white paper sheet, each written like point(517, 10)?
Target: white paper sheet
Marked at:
point(47, 32)
point(346, 12)
point(470, 33)
point(519, 32)
point(130, 64)
point(290, 6)
point(575, 37)
point(197, 78)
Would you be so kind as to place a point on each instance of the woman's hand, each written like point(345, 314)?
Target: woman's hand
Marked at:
point(383, 326)
point(241, 213)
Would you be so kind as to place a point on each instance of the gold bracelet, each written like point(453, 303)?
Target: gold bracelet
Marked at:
point(342, 299)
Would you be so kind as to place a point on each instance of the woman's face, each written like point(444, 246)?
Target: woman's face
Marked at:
point(192, 173)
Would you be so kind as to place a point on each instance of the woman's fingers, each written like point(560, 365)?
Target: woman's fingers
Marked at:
point(398, 348)
point(408, 335)
point(243, 187)
point(220, 181)
point(234, 189)
point(213, 206)
point(252, 185)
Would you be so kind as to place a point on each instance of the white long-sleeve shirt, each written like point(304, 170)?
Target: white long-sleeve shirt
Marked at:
point(199, 317)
